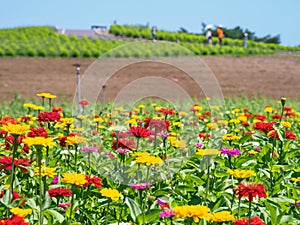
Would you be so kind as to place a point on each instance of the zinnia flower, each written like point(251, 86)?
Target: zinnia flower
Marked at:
point(59, 192)
point(141, 186)
point(148, 160)
point(38, 132)
point(97, 181)
point(229, 151)
point(48, 117)
point(204, 152)
point(140, 132)
point(15, 220)
point(20, 212)
point(253, 221)
point(111, 193)
point(250, 190)
point(241, 174)
point(6, 163)
point(16, 129)
point(217, 217)
point(191, 211)
point(230, 137)
point(89, 149)
point(39, 141)
point(74, 178)
point(45, 171)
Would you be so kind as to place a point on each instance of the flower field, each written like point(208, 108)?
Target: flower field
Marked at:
point(150, 163)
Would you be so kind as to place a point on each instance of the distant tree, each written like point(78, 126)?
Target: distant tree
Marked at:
point(182, 30)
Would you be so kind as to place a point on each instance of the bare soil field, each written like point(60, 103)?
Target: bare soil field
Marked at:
point(269, 76)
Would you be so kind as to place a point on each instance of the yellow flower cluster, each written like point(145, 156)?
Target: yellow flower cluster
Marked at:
point(148, 160)
point(75, 140)
point(203, 152)
point(191, 211)
point(67, 121)
point(39, 141)
point(241, 174)
point(46, 95)
point(286, 124)
point(16, 129)
point(111, 193)
point(20, 212)
point(45, 171)
point(295, 180)
point(33, 106)
point(217, 217)
point(178, 144)
point(230, 137)
point(211, 125)
point(74, 178)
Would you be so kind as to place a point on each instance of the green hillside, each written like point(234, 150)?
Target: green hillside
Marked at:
point(46, 42)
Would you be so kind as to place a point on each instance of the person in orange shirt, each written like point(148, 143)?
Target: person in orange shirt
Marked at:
point(220, 34)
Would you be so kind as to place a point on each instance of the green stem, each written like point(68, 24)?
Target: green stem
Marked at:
point(15, 149)
point(208, 180)
point(72, 202)
point(239, 207)
point(137, 143)
point(249, 213)
point(39, 162)
point(146, 193)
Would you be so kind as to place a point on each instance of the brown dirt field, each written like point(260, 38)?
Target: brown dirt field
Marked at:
point(269, 76)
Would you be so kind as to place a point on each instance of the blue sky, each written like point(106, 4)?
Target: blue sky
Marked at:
point(262, 16)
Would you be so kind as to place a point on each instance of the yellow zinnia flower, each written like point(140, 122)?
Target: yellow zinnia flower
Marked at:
point(72, 140)
point(230, 137)
point(45, 171)
point(74, 178)
point(191, 211)
point(20, 212)
point(286, 124)
point(39, 141)
point(241, 174)
point(111, 193)
point(222, 216)
point(211, 125)
point(148, 160)
point(16, 129)
point(203, 152)
point(67, 120)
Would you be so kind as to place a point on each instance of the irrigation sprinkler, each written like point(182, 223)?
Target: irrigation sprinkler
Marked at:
point(78, 87)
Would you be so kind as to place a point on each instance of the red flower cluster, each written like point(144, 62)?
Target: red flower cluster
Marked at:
point(204, 135)
point(9, 141)
point(6, 163)
point(167, 111)
point(6, 120)
point(264, 126)
point(260, 117)
point(59, 192)
point(159, 125)
point(97, 181)
point(288, 135)
point(253, 221)
point(48, 117)
point(83, 102)
point(38, 132)
point(15, 220)
point(250, 190)
point(140, 132)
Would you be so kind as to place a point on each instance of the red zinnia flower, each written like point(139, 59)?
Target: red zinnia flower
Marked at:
point(48, 117)
point(167, 111)
point(264, 126)
point(204, 135)
point(15, 220)
point(6, 120)
point(250, 190)
point(83, 102)
point(6, 163)
point(139, 132)
point(159, 125)
point(97, 181)
point(60, 192)
point(260, 117)
point(38, 132)
point(15, 197)
point(253, 221)
point(288, 135)
point(9, 141)
point(57, 109)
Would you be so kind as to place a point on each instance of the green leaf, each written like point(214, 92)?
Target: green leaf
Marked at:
point(151, 216)
point(133, 207)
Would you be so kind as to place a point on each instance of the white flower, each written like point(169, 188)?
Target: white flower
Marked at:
point(117, 128)
point(67, 152)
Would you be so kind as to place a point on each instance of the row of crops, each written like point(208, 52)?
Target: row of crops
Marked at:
point(145, 32)
point(46, 42)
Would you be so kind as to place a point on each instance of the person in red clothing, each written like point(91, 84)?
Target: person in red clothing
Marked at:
point(220, 34)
